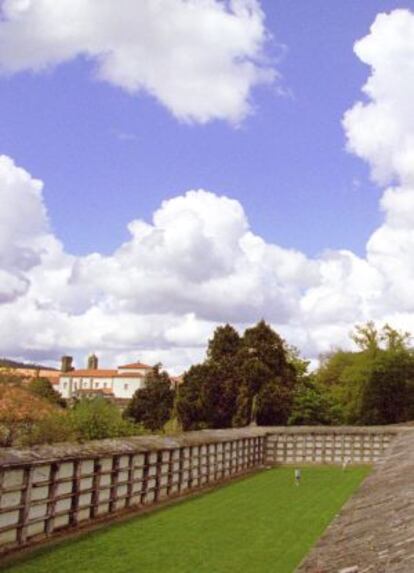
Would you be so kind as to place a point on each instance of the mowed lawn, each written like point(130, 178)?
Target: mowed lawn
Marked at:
point(262, 524)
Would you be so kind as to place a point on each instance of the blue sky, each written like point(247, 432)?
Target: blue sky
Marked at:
point(119, 110)
point(107, 157)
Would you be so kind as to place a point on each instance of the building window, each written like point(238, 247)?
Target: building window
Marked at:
point(65, 384)
point(126, 386)
point(104, 384)
point(96, 384)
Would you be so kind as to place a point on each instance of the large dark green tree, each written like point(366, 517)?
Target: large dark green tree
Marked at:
point(208, 396)
point(238, 373)
point(270, 376)
point(388, 392)
point(189, 404)
point(152, 405)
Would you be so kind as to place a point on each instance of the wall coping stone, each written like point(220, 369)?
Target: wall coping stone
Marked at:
point(140, 444)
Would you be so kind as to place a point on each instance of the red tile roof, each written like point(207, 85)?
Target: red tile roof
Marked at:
point(135, 366)
point(100, 374)
point(89, 373)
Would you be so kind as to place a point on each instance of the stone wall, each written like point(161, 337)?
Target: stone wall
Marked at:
point(49, 489)
point(52, 489)
point(328, 445)
point(374, 531)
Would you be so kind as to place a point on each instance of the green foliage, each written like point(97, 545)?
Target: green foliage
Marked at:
point(225, 345)
point(43, 388)
point(274, 402)
point(58, 427)
point(376, 384)
point(152, 405)
point(97, 418)
point(243, 415)
point(238, 372)
point(189, 403)
point(366, 337)
point(387, 393)
point(313, 405)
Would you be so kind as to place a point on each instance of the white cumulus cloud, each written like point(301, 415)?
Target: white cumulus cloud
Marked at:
point(198, 263)
point(199, 58)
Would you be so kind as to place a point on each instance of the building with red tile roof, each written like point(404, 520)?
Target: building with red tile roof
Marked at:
point(120, 383)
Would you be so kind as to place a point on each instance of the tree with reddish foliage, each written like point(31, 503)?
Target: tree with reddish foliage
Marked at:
point(19, 412)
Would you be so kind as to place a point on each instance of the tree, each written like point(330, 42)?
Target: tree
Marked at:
point(266, 345)
point(219, 393)
point(238, 371)
point(395, 340)
point(271, 377)
point(243, 415)
point(274, 403)
point(225, 345)
point(376, 384)
point(43, 388)
point(97, 418)
point(190, 409)
point(313, 405)
point(208, 395)
point(366, 337)
point(386, 393)
point(152, 405)
point(19, 412)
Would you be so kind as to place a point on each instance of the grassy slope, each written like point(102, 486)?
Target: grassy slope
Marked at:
point(259, 525)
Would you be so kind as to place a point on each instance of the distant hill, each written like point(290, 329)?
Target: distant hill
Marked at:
point(6, 363)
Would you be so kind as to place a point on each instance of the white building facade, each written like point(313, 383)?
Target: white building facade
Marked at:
point(120, 383)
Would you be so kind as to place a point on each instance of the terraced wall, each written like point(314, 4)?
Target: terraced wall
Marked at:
point(51, 490)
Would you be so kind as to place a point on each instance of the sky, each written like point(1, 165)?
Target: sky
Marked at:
point(167, 167)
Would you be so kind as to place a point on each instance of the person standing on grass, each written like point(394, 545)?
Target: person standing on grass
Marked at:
point(298, 476)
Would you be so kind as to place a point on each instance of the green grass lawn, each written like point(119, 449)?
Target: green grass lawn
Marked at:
point(262, 524)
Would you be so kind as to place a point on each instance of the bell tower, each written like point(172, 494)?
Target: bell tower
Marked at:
point(92, 362)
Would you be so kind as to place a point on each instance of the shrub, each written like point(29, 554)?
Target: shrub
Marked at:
point(97, 419)
point(42, 388)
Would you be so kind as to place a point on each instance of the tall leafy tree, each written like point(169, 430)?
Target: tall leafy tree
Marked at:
point(387, 393)
point(225, 346)
point(238, 372)
point(189, 404)
point(152, 405)
point(374, 385)
point(270, 375)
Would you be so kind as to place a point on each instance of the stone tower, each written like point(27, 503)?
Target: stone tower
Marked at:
point(66, 363)
point(92, 362)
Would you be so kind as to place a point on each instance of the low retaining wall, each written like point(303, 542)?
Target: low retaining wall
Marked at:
point(374, 531)
point(327, 445)
point(50, 489)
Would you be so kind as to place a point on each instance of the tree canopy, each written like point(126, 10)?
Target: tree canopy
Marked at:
point(375, 384)
point(152, 405)
point(240, 373)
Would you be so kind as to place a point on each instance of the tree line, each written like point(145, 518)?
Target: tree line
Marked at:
point(258, 378)
point(249, 378)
